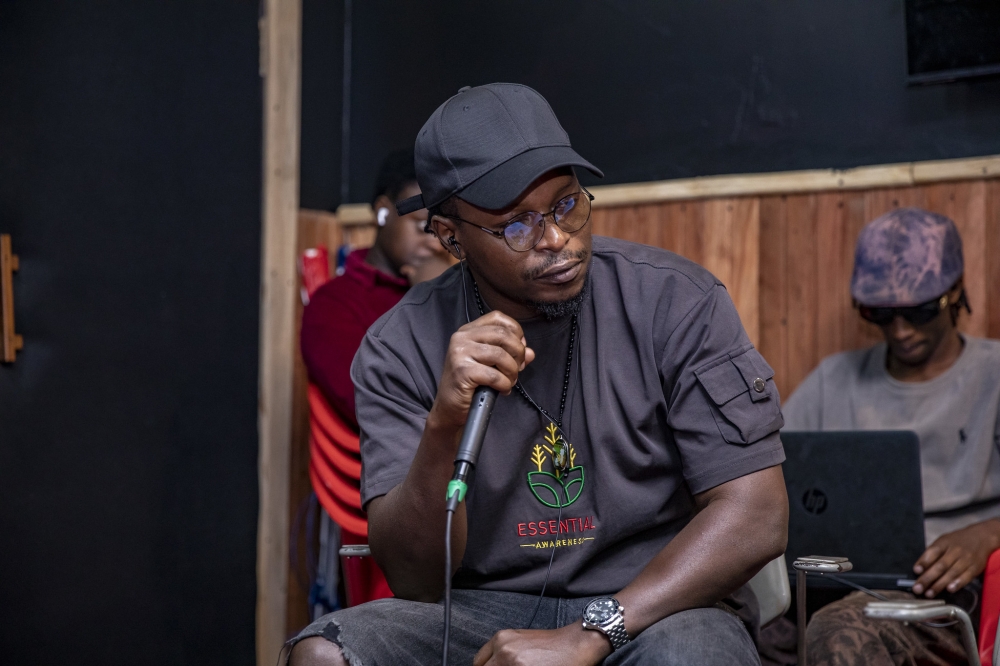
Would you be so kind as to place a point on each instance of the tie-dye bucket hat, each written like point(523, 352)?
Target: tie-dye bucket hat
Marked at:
point(906, 257)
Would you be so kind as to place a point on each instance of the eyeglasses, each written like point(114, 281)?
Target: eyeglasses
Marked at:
point(523, 232)
point(916, 315)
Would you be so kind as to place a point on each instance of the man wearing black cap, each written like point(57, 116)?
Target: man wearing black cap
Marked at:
point(629, 483)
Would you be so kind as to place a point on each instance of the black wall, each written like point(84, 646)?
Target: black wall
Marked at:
point(130, 162)
point(647, 90)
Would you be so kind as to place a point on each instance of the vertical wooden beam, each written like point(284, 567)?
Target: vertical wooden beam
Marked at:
point(281, 53)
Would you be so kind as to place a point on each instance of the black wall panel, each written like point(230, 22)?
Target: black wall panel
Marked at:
point(130, 162)
point(647, 90)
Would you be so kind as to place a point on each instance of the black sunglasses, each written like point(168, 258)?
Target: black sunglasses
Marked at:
point(523, 231)
point(917, 315)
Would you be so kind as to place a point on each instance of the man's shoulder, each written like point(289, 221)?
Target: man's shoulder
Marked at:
point(651, 262)
point(985, 349)
point(426, 306)
point(334, 298)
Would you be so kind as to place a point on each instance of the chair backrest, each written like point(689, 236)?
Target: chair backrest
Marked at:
point(335, 465)
point(774, 594)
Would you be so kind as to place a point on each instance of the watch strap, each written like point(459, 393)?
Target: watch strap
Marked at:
point(616, 633)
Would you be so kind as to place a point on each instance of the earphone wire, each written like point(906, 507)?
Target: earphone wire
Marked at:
point(465, 293)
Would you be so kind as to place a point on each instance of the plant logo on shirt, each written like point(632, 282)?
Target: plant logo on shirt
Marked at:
point(561, 486)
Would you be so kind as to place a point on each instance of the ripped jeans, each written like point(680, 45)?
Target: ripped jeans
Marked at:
point(395, 631)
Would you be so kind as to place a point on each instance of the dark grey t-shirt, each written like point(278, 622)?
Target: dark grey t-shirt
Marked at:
point(667, 398)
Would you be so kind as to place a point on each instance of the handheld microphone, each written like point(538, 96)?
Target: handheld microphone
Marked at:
point(472, 442)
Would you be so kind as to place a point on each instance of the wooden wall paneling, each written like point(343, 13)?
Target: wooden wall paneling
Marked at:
point(992, 234)
point(965, 204)
point(773, 277)
point(857, 332)
point(802, 286)
point(650, 220)
point(320, 227)
point(690, 217)
point(730, 250)
point(359, 235)
point(604, 221)
point(881, 201)
point(672, 226)
point(627, 224)
point(315, 228)
point(745, 289)
point(833, 273)
point(717, 235)
point(299, 487)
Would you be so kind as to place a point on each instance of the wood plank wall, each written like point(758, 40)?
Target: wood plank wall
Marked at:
point(315, 228)
point(785, 259)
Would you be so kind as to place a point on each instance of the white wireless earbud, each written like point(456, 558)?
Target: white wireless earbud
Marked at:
point(383, 216)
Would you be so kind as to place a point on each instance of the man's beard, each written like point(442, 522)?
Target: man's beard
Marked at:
point(559, 309)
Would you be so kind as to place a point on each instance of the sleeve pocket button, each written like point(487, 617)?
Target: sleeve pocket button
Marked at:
point(758, 385)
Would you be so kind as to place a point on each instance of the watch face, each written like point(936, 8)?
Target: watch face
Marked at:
point(600, 611)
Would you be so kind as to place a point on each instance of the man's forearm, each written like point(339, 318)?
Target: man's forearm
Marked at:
point(740, 526)
point(406, 526)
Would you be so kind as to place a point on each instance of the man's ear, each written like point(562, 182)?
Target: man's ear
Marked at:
point(387, 203)
point(445, 231)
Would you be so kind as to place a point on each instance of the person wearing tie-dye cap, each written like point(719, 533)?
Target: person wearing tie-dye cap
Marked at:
point(927, 377)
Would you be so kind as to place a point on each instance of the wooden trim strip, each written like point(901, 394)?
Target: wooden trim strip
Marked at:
point(10, 341)
point(789, 182)
point(281, 61)
point(781, 182)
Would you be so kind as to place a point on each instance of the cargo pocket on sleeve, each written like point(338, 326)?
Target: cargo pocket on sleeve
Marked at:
point(744, 398)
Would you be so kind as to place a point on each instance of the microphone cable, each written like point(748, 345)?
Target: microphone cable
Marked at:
point(450, 515)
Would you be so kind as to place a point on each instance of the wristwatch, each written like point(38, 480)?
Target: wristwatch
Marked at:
point(607, 616)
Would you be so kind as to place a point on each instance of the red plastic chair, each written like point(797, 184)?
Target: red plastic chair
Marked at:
point(335, 472)
point(989, 613)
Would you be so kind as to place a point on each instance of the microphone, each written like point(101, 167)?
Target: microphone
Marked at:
point(472, 442)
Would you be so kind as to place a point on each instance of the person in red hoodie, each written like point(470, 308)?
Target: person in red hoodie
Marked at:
point(340, 312)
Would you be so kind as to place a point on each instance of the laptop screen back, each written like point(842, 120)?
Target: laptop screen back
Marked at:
point(855, 494)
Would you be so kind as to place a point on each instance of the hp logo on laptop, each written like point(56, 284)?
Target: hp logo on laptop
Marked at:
point(814, 501)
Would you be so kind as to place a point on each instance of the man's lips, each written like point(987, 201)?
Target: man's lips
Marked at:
point(561, 273)
point(908, 349)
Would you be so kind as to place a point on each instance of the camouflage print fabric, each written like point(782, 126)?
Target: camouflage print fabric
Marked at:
point(906, 257)
point(840, 635)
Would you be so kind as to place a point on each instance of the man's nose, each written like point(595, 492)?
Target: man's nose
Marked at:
point(900, 328)
point(553, 239)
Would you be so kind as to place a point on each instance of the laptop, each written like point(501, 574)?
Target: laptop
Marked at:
point(856, 494)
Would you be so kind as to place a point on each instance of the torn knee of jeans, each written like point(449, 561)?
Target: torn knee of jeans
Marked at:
point(331, 632)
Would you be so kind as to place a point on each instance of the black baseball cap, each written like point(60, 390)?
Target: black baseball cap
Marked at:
point(487, 145)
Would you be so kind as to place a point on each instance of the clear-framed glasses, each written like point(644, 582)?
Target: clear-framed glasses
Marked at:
point(522, 232)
